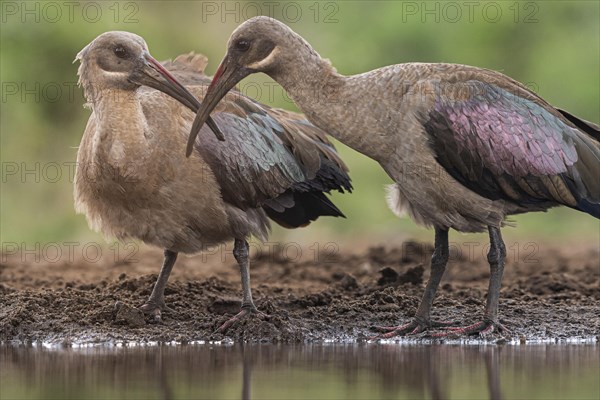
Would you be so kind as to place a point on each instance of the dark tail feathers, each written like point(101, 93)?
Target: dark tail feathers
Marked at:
point(307, 207)
point(588, 127)
point(588, 207)
point(585, 183)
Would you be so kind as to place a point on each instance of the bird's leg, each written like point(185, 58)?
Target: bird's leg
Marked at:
point(156, 302)
point(422, 320)
point(496, 257)
point(241, 254)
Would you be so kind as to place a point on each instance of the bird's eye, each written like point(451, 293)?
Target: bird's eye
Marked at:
point(242, 45)
point(120, 52)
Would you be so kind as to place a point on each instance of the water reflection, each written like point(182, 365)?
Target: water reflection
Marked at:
point(307, 371)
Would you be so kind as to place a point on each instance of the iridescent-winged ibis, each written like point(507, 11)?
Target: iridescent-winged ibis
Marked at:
point(132, 181)
point(466, 146)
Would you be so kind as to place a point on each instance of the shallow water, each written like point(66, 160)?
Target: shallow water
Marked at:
point(325, 371)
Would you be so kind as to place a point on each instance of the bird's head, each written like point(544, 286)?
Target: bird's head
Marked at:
point(257, 45)
point(120, 60)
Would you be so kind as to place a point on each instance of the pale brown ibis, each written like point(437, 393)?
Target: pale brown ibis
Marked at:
point(466, 146)
point(133, 181)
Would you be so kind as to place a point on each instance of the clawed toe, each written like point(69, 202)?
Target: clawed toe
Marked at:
point(155, 310)
point(481, 328)
point(245, 311)
point(414, 327)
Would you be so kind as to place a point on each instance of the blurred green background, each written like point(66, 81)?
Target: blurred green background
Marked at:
point(553, 47)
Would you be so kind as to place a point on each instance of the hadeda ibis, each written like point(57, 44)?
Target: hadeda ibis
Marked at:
point(466, 146)
point(132, 182)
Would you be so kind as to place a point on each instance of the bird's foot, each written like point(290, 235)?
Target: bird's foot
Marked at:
point(482, 328)
point(245, 311)
point(417, 325)
point(154, 309)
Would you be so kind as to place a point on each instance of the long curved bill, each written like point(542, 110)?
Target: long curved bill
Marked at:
point(154, 75)
point(227, 76)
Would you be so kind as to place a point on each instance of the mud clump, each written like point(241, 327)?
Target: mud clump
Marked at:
point(347, 282)
point(127, 315)
point(307, 300)
point(390, 276)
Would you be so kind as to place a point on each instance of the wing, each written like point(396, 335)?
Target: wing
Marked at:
point(502, 145)
point(264, 157)
point(269, 156)
point(252, 165)
point(308, 144)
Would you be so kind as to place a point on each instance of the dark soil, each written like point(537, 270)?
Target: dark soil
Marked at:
point(339, 298)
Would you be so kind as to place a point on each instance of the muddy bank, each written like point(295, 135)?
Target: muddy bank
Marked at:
point(336, 296)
